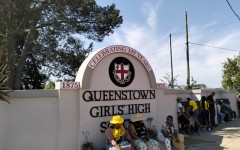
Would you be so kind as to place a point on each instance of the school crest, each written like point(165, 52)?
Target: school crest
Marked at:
point(121, 72)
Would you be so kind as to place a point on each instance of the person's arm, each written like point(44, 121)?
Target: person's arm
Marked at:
point(132, 132)
point(181, 109)
point(128, 137)
point(223, 109)
point(175, 133)
point(191, 106)
point(230, 107)
point(166, 134)
point(117, 146)
point(180, 106)
point(209, 102)
point(218, 108)
point(110, 138)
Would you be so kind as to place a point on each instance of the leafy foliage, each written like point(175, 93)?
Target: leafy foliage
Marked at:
point(47, 33)
point(195, 85)
point(168, 81)
point(3, 89)
point(231, 74)
point(65, 62)
point(32, 77)
point(50, 85)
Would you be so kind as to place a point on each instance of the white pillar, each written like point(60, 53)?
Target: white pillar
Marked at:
point(68, 117)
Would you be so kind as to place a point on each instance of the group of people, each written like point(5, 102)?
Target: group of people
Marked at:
point(192, 116)
point(136, 135)
point(201, 116)
point(225, 112)
point(195, 116)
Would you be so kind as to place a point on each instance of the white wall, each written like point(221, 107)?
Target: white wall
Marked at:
point(3, 123)
point(55, 119)
point(30, 121)
point(68, 120)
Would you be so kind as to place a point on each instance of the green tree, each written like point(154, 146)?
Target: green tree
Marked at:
point(195, 85)
point(168, 81)
point(47, 30)
point(231, 74)
point(65, 62)
point(32, 77)
point(4, 90)
point(50, 85)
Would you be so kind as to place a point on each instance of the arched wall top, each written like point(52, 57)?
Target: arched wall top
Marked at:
point(88, 66)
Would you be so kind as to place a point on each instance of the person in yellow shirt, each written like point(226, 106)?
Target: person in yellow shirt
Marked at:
point(117, 136)
point(204, 105)
point(194, 110)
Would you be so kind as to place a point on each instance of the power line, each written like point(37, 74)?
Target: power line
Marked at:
point(212, 46)
point(204, 28)
point(233, 10)
point(158, 51)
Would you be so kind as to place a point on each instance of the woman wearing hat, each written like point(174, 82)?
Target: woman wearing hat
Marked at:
point(139, 133)
point(118, 138)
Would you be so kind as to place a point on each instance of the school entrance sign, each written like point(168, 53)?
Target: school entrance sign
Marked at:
point(116, 80)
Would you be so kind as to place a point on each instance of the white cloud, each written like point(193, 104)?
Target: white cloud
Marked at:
point(150, 11)
point(205, 62)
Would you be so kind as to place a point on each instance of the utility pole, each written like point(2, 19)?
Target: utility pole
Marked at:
point(187, 52)
point(170, 36)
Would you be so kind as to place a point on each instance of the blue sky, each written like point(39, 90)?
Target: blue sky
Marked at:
point(148, 23)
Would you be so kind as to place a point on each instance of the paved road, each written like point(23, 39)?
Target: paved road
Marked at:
point(225, 137)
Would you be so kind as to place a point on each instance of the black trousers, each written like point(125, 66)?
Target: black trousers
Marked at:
point(212, 116)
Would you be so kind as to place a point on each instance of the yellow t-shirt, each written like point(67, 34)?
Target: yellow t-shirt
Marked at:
point(206, 105)
point(193, 104)
point(118, 133)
